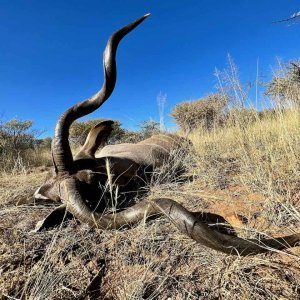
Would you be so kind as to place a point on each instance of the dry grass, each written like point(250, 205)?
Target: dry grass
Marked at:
point(248, 169)
point(24, 161)
point(262, 156)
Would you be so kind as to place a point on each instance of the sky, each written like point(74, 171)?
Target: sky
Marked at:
point(51, 53)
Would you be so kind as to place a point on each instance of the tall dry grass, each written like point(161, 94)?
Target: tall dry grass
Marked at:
point(23, 162)
point(262, 155)
point(152, 260)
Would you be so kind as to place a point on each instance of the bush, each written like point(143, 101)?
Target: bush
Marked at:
point(284, 88)
point(207, 112)
point(44, 143)
point(146, 130)
point(19, 147)
point(241, 116)
point(16, 135)
point(80, 130)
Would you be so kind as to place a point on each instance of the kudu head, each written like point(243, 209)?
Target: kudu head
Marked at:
point(82, 176)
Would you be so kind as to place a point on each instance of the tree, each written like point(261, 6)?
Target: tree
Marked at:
point(16, 136)
point(80, 130)
point(149, 128)
point(17, 145)
point(284, 87)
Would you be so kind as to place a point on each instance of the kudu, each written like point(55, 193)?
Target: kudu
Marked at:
point(77, 181)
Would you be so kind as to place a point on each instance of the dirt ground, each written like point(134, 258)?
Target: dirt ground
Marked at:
point(150, 261)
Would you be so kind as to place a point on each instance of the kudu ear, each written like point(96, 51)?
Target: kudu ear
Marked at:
point(97, 137)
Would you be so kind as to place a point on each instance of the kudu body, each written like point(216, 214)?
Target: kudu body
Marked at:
point(78, 181)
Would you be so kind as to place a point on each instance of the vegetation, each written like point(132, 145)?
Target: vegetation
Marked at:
point(148, 128)
point(20, 148)
point(284, 88)
point(80, 130)
point(207, 112)
point(244, 167)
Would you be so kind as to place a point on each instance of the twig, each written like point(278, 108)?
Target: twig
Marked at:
point(292, 17)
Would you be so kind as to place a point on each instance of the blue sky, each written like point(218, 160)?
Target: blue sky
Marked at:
point(51, 52)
